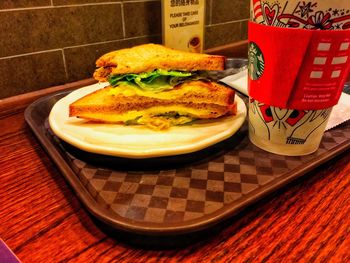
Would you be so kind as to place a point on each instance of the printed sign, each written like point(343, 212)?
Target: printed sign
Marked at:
point(183, 24)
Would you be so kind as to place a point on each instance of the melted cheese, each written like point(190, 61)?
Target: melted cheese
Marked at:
point(163, 123)
point(150, 116)
point(153, 111)
point(130, 90)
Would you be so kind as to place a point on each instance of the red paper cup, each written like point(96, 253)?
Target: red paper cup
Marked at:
point(288, 110)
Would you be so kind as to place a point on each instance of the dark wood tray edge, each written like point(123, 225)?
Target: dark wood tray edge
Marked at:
point(109, 218)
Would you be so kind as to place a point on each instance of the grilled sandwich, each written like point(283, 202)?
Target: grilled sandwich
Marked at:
point(155, 86)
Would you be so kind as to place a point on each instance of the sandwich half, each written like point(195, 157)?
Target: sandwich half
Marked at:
point(155, 86)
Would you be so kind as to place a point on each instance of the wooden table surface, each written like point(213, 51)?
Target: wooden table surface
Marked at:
point(42, 220)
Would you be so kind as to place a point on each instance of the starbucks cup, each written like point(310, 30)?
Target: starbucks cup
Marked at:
point(298, 63)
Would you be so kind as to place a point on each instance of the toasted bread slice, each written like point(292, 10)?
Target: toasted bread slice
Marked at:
point(195, 99)
point(148, 57)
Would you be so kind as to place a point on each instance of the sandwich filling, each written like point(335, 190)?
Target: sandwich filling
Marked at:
point(155, 81)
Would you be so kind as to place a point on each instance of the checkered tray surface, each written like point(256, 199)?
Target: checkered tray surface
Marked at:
point(196, 195)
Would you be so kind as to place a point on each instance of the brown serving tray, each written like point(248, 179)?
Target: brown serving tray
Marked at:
point(176, 194)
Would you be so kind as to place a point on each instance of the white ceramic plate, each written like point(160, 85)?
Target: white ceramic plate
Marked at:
point(139, 141)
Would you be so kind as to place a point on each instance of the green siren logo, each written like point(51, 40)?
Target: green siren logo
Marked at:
point(256, 61)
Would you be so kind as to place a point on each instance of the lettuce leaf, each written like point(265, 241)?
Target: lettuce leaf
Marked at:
point(157, 80)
